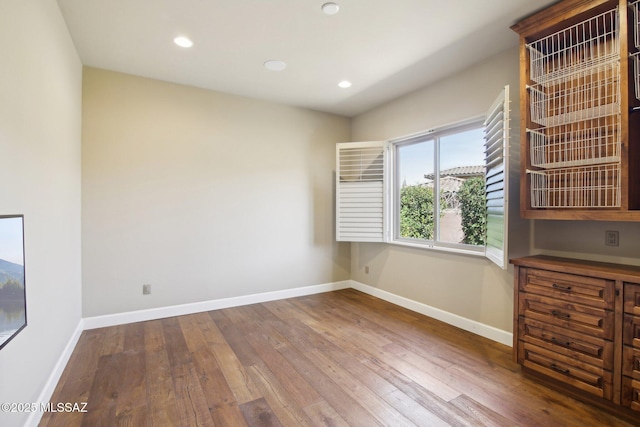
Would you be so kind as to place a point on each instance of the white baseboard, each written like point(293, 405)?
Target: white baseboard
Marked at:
point(178, 310)
point(45, 395)
point(477, 328)
point(198, 307)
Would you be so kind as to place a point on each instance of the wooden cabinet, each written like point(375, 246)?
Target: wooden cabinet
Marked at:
point(580, 145)
point(631, 347)
point(577, 325)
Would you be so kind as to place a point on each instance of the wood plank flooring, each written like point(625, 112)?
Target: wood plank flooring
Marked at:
point(335, 359)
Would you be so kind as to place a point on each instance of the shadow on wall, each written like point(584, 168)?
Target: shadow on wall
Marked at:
point(320, 162)
point(371, 259)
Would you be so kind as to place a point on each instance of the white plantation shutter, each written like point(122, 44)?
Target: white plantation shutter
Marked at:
point(361, 188)
point(496, 183)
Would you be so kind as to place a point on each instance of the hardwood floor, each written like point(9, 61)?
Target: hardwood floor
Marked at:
point(335, 359)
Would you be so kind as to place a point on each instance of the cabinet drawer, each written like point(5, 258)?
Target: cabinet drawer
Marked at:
point(583, 376)
point(570, 287)
point(631, 393)
point(631, 331)
point(631, 362)
point(585, 348)
point(632, 299)
point(588, 320)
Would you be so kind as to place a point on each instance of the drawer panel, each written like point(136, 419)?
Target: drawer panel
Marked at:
point(570, 287)
point(583, 376)
point(596, 351)
point(631, 393)
point(631, 331)
point(580, 318)
point(631, 362)
point(632, 299)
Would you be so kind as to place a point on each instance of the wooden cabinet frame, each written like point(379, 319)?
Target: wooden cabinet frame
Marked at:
point(549, 21)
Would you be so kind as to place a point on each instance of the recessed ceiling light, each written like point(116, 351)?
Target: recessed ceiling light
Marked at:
point(275, 65)
point(344, 84)
point(330, 8)
point(183, 41)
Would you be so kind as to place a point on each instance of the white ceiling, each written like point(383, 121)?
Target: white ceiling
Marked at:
point(385, 48)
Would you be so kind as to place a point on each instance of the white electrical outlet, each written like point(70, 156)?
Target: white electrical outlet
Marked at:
point(146, 289)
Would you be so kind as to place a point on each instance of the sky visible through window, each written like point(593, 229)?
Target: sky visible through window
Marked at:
point(11, 238)
point(459, 149)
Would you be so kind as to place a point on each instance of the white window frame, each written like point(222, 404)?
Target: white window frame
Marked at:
point(431, 135)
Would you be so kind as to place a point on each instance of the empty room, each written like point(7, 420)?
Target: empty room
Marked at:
point(320, 213)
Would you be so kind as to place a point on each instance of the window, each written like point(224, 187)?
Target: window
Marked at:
point(439, 188)
point(444, 189)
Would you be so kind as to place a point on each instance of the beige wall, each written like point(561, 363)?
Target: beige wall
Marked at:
point(40, 114)
point(470, 287)
point(585, 240)
point(203, 195)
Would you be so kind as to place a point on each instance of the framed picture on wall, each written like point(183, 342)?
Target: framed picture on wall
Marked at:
point(13, 298)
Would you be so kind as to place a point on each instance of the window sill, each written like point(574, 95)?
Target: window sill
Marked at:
point(480, 252)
